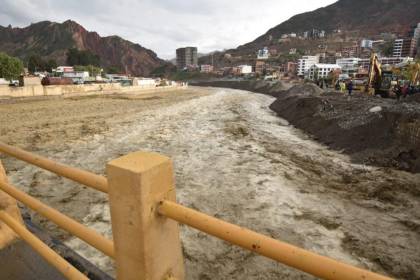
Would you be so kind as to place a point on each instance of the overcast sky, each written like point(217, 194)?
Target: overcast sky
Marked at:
point(164, 25)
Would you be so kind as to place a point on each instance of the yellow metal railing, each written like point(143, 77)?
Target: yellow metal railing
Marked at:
point(145, 217)
point(83, 177)
point(46, 252)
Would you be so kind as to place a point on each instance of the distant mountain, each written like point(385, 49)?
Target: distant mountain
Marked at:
point(361, 18)
point(52, 40)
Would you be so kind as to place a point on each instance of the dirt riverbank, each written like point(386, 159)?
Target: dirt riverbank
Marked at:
point(372, 130)
point(234, 159)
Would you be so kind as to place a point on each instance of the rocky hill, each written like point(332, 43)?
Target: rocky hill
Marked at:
point(52, 40)
point(357, 18)
point(363, 17)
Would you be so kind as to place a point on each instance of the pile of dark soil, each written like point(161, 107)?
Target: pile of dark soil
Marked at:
point(372, 130)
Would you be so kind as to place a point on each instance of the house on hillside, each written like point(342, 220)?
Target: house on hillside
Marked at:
point(321, 71)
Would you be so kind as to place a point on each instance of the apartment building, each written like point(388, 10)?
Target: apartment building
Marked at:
point(321, 71)
point(305, 63)
point(186, 57)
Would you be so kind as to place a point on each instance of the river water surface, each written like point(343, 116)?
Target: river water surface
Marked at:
point(236, 160)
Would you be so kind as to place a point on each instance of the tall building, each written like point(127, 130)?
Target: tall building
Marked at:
point(416, 41)
point(186, 57)
point(305, 63)
point(407, 47)
point(402, 47)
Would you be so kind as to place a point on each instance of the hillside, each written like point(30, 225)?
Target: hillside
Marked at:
point(366, 18)
point(52, 40)
point(356, 18)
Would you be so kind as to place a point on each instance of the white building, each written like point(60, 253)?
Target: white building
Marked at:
point(305, 63)
point(77, 76)
point(116, 78)
point(368, 44)
point(206, 68)
point(263, 54)
point(144, 82)
point(415, 48)
point(398, 48)
point(348, 65)
point(321, 71)
point(63, 69)
point(245, 69)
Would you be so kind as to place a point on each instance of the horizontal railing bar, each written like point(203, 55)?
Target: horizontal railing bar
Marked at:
point(317, 265)
point(69, 271)
point(86, 234)
point(89, 179)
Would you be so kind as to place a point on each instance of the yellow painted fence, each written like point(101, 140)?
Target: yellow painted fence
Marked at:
point(145, 216)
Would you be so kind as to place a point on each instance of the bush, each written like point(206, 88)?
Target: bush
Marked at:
point(10, 67)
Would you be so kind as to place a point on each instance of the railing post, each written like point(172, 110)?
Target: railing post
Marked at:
point(147, 245)
point(9, 205)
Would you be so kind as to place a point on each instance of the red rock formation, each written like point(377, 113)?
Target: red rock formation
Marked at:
point(52, 40)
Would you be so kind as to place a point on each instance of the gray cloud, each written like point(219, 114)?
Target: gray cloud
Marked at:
point(164, 25)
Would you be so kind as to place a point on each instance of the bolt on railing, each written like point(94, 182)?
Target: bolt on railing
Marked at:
point(145, 216)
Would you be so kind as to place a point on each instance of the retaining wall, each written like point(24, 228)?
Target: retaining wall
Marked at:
point(65, 90)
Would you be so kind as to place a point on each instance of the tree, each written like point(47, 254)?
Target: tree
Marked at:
point(84, 58)
point(93, 70)
point(387, 48)
point(10, 67)
point(113, 70)
point(50, 65)
point(36, 63)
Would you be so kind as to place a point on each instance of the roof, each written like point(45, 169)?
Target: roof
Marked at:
point(321, 65)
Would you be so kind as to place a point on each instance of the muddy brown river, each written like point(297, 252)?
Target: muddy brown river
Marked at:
point(234, 159)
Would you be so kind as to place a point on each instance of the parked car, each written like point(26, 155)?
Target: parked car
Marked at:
point(14, 83)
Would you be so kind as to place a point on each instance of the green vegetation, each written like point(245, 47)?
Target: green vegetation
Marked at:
point(387, 48)
point(84, 58)
point(93, 70)
point(284, 58)
point(37, 63)
point(10, 67)
point(164, 71)
point(113, 70)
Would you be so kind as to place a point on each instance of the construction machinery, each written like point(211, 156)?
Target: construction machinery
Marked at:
point(415, 74)
point(379, 78)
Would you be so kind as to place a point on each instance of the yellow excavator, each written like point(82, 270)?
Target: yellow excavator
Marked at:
point(415, 76)
point(374, 74)
point(379, 79)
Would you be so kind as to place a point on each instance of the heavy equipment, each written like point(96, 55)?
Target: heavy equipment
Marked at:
point(415, 74)
point(379, 78)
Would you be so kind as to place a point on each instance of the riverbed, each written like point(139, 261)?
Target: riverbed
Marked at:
point(233, 159)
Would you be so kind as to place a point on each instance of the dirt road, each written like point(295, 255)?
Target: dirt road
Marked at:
point(234, 159)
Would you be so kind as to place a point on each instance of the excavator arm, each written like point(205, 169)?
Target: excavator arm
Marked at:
point(375, 74)
point(415, 78)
